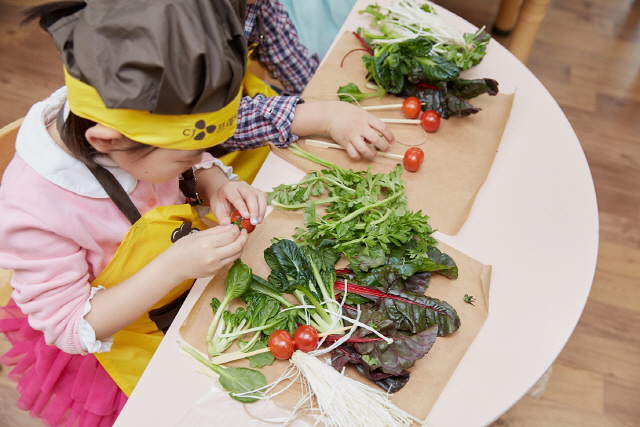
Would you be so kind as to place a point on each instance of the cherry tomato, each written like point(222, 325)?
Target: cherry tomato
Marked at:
point(413, 158)
point(411, 107)
point(281, 344)
point(241, 222)
point(306, 338)
point(430, 121)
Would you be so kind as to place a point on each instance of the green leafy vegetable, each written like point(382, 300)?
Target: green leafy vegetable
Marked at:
point(234, 380)
point(469, 299)
point(449, 98)
point(391, 62)
point(261, 359)
point(237, 282)
point(367, 221)
point(407, 20)
point(357, 95)
point(228, 324)
point(308, 273)
point(417, 54)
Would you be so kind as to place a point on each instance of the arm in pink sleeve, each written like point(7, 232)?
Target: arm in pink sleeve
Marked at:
point(50, 279)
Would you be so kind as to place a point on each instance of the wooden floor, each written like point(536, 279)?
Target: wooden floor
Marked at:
point(588, 55)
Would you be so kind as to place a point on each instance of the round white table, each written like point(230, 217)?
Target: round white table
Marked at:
point(535, 220)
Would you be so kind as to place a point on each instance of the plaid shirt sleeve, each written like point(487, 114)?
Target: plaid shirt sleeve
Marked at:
point(263, 120)
point(268, 120)
point(279, 50)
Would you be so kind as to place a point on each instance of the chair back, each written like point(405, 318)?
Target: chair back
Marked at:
point(8, 136)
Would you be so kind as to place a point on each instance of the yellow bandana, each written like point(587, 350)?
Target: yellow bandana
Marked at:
point(176, 132)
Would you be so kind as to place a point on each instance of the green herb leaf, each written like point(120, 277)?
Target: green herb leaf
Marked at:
point(242, 380)
point(262, 359)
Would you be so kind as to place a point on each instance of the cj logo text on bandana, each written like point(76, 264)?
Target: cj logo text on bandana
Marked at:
point(201, 129)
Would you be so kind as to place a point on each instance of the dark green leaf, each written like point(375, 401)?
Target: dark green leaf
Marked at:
point(450, 98)
point(435, 68)
point(238, 279)
point(286, 320)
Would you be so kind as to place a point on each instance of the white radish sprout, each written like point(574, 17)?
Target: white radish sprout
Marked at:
point(341, 401)
point(408, 20)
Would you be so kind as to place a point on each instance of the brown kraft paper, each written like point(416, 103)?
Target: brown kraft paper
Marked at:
point(428, 376)
point(457, 157)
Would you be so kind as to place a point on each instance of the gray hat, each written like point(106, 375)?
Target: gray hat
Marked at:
point(161, 56)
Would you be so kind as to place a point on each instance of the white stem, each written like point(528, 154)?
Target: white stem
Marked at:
point(382, 107)
point(407, 121)
point(236, 355)
point(322, 144)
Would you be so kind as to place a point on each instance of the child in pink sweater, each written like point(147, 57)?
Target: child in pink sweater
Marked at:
point(100, 204)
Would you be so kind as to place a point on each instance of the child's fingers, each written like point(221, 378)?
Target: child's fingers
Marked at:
point(219, 229)
point(234, 248)
point(363, 148)
point(253, 205)
point(382, 128)
point(351, 151)
point(218, 237)
point(222, 211)
point(262, 205)
point(236, 199)
point(378, 141)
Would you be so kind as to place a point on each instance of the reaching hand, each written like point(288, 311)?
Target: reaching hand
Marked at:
point(356, 129)
point(249, 201)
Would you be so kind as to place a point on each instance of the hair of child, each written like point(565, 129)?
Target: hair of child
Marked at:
point(47, 14)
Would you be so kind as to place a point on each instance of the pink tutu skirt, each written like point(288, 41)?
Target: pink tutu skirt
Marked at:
point(60, 388)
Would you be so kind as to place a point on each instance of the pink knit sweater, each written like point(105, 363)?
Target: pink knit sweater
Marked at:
point(56, 239)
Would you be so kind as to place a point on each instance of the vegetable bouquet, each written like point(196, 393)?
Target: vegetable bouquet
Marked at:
point(417, 54)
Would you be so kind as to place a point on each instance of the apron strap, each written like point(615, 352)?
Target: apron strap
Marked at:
point(116, 193)
point(187, 185)
point(163, 316)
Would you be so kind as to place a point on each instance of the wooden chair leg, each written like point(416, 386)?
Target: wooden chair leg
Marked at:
point(531, 15)
point(506, 18)
point(5, 286)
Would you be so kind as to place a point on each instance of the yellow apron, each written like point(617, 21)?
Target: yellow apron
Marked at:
point(146, 239)
point(149, 236)
point(247, 163)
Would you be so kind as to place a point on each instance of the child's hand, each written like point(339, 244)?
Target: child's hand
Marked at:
point(249, 201)
point(204, 253)
point(349, 125)
point(356, 129)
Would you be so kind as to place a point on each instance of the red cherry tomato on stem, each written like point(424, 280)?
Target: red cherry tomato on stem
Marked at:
point(241, 222)
point(430, 121)
point(411, 107)
point(281, 344)
point(306, 338)
point(413, 158)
